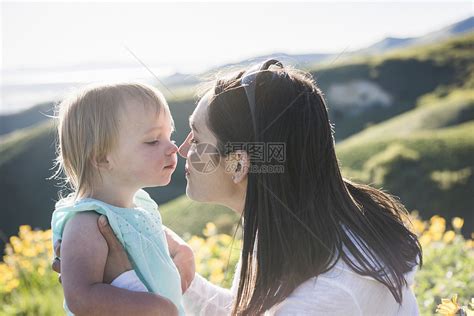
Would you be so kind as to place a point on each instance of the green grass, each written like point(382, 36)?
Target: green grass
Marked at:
point(430, 170)
point(431, 113)
point(17, 142)
point(185, 216)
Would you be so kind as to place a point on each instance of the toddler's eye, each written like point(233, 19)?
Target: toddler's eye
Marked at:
point(193, 141)
point(152, 142)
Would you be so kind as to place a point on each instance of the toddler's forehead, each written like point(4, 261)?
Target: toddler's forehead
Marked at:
point(141, 116)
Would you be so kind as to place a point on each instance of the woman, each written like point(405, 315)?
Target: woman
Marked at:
point(313, 242)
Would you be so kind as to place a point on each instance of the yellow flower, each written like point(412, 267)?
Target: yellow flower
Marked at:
point(11, 285)
point(216, 276)
point(40, 247)
point(457, 223)
point(449, 236)
point(30, 252)
point(425, 239)
point(47, 235)
point(16, 244)
point(26, 265)
point(448, 307)
point(8, 250)
point(6, 273)
point(210, 230)
point(419, 226)
point(41, 271)
point(25, 230)
point(438, 225)
point(436, 236)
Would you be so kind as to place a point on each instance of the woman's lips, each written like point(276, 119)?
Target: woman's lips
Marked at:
point(186, 170)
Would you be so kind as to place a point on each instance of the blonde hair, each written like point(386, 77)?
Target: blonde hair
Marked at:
point(88, 129)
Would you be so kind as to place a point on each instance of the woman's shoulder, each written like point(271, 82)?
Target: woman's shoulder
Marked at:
point(338, 291)
point(319, 295)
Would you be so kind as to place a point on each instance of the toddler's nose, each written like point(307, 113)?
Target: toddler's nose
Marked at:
point(173, 149)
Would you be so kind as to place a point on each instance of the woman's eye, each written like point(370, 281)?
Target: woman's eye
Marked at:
point(193, 141)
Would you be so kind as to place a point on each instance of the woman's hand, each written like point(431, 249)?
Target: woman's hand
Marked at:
point(117, 259)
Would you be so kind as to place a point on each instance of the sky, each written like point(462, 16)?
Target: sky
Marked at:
point(190, 37)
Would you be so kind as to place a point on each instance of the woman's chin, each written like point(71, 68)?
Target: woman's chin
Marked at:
point(189, 191)
point(192, 194)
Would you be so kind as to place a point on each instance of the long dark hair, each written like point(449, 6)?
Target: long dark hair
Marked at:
point(304, 216)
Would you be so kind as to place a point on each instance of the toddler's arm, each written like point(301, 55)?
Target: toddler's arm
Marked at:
point(83, 258)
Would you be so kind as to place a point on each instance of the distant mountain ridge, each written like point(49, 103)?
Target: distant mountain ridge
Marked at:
point(11, 122)
point(389, 43)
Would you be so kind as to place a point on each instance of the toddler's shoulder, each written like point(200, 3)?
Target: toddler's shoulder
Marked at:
point(144, 200)
point(85, 221)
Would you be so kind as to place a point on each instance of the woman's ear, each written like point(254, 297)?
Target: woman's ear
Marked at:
point(237, 165)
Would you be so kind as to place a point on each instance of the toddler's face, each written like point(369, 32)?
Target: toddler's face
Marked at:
point(144, 156)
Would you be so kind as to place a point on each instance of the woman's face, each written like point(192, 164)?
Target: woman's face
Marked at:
point(207, 179)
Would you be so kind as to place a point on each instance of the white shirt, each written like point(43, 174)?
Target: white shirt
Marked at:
point(339, 291)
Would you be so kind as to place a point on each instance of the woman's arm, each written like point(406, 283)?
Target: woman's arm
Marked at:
point(200, 296)
point(205, 298)
point(84, 256)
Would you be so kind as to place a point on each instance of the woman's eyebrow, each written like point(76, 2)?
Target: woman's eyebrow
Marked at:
point(192, 125)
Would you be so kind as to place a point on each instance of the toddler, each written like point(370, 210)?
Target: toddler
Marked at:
point(114, 140)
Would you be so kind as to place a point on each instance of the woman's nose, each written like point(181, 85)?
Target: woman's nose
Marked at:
point(184, 147)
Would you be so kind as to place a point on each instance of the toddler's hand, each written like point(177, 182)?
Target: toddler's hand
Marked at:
point(183, 258)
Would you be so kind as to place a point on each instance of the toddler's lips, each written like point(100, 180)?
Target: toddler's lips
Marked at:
point(171, 166)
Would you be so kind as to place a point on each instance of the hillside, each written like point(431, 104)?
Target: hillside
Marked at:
point(390, 43)
point(431, 113)
point(430, 171)
point(427, 90)
point(32, 116)
point(369, 90)
point(185, 216)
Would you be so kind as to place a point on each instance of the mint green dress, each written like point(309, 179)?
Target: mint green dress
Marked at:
point(141, 233)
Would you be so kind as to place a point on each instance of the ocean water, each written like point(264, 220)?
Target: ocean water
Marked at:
point(24, 88)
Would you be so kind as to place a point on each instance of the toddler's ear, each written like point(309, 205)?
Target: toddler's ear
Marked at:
point(101, 162)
